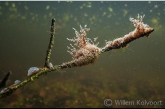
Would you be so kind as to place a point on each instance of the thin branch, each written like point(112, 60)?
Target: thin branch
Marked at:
point(86, 53)
point(51, 43)
point(4, 80)
point(141, 30)
point(34, 75)
point(12, 88)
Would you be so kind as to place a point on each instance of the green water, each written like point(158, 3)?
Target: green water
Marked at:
point(133, 73)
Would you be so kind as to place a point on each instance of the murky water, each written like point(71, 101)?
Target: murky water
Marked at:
point(130, 74)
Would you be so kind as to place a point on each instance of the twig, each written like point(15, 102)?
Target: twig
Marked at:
point(12, 88)
point(87, 51)
point(4, 80)
point(51, 43)
point(141, 30)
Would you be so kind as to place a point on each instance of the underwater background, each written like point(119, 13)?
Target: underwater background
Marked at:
point(136, 72)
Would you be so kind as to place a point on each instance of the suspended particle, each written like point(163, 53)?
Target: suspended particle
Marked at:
point(110, 9)
point(32, 71)
point(47, 7)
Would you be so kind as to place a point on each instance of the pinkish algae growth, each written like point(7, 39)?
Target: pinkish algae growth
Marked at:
point(86, 51)
point(141, 30)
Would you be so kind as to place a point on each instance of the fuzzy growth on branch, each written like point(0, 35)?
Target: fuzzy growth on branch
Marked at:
point(141, 30)
point(84, 52)
point(88, 50)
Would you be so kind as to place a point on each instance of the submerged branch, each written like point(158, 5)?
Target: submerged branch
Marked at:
point(51, 43)
point(141, 30)
point(12, 88)
point(4, 80)
point(87, 51)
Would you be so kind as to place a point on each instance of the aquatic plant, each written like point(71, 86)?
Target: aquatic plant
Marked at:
point(84, 52)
